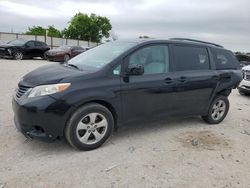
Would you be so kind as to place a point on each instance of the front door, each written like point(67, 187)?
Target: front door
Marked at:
point(149, 95)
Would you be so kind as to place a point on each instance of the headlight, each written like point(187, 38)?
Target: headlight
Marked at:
point(48, 89)
point(9, 50)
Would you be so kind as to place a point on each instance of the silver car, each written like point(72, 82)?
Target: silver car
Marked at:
point(244, 87)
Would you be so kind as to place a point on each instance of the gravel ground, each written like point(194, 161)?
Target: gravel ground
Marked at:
point(149, 155)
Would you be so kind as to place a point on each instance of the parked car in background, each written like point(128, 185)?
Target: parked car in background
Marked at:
point(64, 53)
point(243, 59)
point(86, 47)
point(244, 87)
point(123, 82)
point(20, 48)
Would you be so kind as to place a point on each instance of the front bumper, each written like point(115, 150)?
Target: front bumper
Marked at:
point(244, 86)
point(41, 118)
point(5, 54)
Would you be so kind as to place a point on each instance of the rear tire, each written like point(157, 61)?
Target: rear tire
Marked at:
point(217, 110)
point(89, 127)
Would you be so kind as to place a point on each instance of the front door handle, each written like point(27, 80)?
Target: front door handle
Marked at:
point(182, 79)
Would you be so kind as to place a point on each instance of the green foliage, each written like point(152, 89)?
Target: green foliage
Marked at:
point(81, 26)
point(89, 28)
point(53, 32)
point(36, 30)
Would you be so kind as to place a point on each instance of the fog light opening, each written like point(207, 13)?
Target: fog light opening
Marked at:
point(39, 129)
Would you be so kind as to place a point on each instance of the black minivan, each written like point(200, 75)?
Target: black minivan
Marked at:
point(123, 82)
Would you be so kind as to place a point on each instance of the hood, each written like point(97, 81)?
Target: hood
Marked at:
point(6, 45)
point(51, 74)
point(246, 68)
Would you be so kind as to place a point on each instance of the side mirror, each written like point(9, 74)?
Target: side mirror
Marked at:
point(135, 70)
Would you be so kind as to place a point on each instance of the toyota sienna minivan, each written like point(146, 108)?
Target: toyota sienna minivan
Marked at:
point(123, 82)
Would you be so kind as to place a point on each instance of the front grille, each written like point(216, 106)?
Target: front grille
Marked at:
point(21, 90)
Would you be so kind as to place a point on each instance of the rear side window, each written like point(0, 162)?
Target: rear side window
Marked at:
point(224, 59)
point(76, 48)
point(38, 44)
point(30, 44)
point(190, 58)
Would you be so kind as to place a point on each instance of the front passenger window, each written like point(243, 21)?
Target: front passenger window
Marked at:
point(155, 59)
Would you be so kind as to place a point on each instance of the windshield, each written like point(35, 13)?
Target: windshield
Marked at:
point(17, 42)
point(101, 55)
point(63, 48)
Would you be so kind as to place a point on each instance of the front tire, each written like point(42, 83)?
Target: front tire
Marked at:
point(217, 110)
point(18, 55)
point(89, 127)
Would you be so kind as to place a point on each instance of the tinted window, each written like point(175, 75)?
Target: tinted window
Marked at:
point(155, 59)
point(79, 48)
point(190, 58)
point(224, 59)
point(76, 48)
point(30, 44)
point(38, 44)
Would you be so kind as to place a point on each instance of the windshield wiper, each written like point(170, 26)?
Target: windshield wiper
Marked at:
point(71, 65)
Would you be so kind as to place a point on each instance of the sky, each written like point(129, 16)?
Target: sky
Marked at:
point(226, 22)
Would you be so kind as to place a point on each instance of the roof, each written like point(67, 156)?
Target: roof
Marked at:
point(178, 41)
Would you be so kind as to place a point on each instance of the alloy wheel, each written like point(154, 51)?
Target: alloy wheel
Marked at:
point(18, 56)
point(218, 110)
point(91, 128)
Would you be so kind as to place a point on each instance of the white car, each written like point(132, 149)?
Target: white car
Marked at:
point(244, 87)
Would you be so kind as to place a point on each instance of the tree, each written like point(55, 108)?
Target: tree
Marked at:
point(36, 30)
point(39, 30)
point(89, 28)
point(53, 32)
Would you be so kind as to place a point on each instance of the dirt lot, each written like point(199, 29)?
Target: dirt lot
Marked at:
point(150, 155)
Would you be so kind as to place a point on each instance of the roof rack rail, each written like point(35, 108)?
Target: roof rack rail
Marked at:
point(192, 40)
